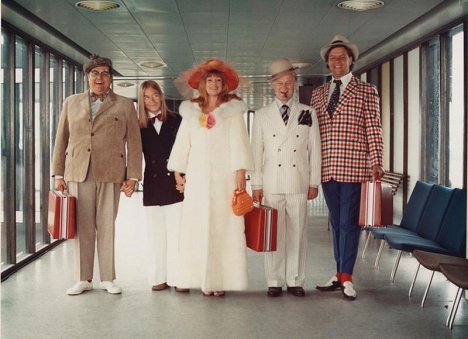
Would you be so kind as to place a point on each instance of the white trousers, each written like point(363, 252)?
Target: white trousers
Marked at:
point(163, 229)
point(287, 263)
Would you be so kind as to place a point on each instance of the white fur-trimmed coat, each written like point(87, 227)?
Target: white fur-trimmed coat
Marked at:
point(212, 242)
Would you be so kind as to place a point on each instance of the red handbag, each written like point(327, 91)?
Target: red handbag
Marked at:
point(242, 202)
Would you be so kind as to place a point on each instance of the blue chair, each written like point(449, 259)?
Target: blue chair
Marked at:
point(450, 244)
point(430, 224)
point(411, 217)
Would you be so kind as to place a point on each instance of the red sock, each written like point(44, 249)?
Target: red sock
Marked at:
point(346, 277)
point(338, 276)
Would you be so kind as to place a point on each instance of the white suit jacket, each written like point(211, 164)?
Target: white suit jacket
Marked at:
point(287, 157)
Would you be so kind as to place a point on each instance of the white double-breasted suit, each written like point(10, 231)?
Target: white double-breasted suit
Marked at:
point(287, 162)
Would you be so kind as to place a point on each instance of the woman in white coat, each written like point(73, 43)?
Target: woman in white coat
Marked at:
point(212, 148)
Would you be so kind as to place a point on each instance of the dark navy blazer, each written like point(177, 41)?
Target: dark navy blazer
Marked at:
point(158, 183)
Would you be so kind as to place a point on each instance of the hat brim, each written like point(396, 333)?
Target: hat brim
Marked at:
point(352, 47)
point(280, 74)
point(232, 78)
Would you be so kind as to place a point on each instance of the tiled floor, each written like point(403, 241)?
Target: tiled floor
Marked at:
point(34, 303)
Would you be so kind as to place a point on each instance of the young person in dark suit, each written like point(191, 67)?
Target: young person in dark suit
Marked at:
point(348, 113)
point(162, 199)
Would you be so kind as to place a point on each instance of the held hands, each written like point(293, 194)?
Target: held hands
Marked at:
point(180, 182)
point(128, 187)
point(60, 185)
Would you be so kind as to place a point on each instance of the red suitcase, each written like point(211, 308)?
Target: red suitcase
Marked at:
point(61, 216)
point(261, 228)
point(376, 207)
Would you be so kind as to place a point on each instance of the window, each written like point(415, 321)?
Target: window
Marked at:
point(39, 150)
point(21, 81)
point(34, 83)
point(443, 156)
point(432, 121)
point(455, 94)
point(4, 124)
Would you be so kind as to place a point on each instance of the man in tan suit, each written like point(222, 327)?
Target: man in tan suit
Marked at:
point(286, 148)
point(97, 154)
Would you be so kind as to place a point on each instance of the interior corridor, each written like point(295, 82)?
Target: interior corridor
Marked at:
point(34, 303)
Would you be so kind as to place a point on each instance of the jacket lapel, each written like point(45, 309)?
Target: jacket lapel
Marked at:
point(323, 102)
point(292, 122)
point(276, 119)
point(348, 94)
point(84, 103)
point(108, 102)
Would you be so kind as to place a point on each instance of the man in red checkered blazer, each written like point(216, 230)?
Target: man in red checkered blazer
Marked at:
point(348, 112)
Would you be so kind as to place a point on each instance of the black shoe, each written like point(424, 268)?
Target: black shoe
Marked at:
point(296, 291)
point(332, 285)
point(274, 291)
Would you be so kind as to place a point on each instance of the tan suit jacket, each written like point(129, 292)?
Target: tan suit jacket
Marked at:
point(110, 142)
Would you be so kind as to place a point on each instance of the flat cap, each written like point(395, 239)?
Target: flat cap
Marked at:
point(96, 61)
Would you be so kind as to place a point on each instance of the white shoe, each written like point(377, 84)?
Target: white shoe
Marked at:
point(110, 287)
point(80, 287)
point(331, 285)
point(348, 290)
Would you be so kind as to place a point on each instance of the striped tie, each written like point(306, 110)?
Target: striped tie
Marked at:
point(285, 113)
point(335, 97)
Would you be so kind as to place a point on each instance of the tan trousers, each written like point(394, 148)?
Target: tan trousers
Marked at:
point(97, 204)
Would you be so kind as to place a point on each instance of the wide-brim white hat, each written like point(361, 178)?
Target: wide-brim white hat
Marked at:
point(339, 40)
point(280, 67)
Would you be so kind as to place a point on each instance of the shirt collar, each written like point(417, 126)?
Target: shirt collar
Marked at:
point(279, 103)
point(345, 80)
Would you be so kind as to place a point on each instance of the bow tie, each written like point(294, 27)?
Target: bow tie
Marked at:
point(159, 117)
point(95, 96)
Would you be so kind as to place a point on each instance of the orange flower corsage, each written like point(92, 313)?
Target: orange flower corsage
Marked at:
point(207, 120)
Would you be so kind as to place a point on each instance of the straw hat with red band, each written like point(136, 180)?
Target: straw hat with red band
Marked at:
point(232, 78)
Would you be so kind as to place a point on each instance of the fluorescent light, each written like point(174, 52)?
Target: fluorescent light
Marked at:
point(97, 6)
point(360, 5)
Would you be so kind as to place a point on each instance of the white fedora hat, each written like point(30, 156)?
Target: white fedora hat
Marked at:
point(339, 40)
point(280, 67)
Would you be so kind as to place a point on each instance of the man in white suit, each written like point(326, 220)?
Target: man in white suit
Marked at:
point(286, 147)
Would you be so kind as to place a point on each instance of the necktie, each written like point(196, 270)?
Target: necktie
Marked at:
point(285, 113)
point(95, 96)
point(335, 97)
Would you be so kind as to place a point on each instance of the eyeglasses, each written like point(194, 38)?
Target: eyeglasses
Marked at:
point(152, 96)
point(104, 74)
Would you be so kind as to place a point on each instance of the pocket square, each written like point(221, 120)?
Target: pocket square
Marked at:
point(305, 118)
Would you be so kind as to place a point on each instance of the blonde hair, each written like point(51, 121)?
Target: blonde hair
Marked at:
point(143, 117)
point(224, 96)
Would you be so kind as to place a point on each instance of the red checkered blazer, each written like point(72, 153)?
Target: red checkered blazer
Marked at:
point(352, 140)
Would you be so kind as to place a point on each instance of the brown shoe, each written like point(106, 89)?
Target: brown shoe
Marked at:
point(159, 287)
point(182, 290)
point(274, 292)
point(296, 291)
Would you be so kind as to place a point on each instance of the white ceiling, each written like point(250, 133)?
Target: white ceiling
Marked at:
point(248, 34)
